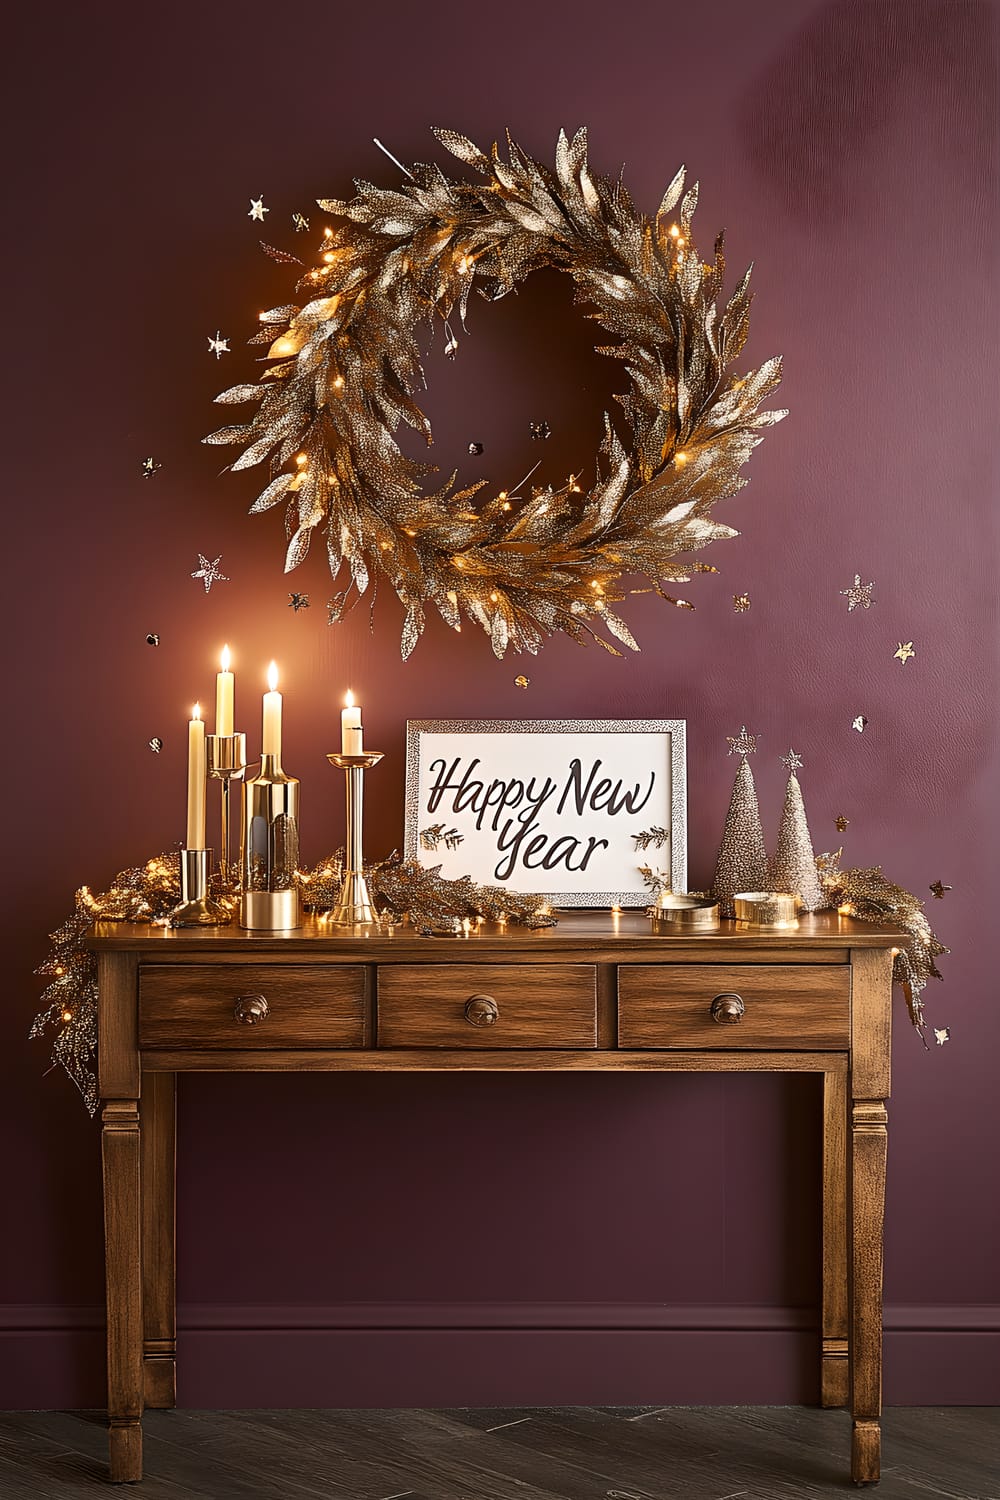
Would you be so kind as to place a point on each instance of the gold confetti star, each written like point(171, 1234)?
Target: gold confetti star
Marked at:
point(209, 572)
point(841, 823)
point(257, 209)
point(301, 223)
point(149, 467)
point(298, 601)
point(743, 743)
point(859, 594)
point(522, 681)
point(218, 345)
point(741, 603)
point(939, 889)
point(791, 760)
point(904, 652)
point(859, 723)
point(942, 1034)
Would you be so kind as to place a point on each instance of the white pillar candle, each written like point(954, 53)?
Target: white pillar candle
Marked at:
point(196, 781)
point(351, 733)
point(224, 692)
point(271, 736)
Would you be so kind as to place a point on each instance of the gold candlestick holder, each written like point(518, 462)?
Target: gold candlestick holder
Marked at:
point(196, 907)
point(354, 905)
point(270, 897)
point(227, 762)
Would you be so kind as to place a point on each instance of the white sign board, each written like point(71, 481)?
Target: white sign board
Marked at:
point(558, 807)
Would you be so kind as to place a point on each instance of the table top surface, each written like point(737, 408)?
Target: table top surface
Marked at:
point(576, 931)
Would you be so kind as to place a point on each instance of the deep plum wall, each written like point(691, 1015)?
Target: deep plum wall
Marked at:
point(513, 1239)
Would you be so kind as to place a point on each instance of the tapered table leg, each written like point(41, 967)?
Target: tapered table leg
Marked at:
point(867, 1188)
point(159, 1345)
point(122, 1254)
point(833, 1362)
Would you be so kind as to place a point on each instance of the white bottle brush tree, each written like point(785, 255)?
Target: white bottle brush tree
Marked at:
point(794, 867)
point(742, 862)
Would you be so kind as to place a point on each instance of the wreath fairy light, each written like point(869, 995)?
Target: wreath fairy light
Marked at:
point(345, 367)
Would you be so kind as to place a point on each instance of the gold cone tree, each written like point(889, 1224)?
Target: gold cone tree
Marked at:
point(742, 861)
point(794, 867)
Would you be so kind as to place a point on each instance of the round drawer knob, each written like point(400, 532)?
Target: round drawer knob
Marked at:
point(728, 1009)
point(482, 1010)
point(250, 1009)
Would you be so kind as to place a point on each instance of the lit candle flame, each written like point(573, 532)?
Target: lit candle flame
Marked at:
point(225, 658)
point(349, 700)
point(272, 677)
point(196, 711)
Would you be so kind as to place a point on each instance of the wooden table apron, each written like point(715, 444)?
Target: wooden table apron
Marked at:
point(596, 993)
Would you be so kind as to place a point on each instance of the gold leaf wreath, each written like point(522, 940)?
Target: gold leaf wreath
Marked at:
point(345, 368)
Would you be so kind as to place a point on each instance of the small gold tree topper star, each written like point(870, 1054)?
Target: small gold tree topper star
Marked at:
point(858, 594)
point(209, 572)
point(743, 743)
point(939, 889)
point(218, 345)
point(257, 209)
point(904, 652)
point(791, 760)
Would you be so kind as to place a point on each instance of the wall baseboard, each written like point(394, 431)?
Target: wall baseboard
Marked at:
point(503, 1354)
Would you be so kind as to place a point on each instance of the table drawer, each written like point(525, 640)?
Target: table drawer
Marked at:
point(312, 1005)
point(795, 1007)
point(487, 1005)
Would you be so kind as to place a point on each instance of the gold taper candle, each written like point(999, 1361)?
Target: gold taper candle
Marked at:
point(352, 736)
point(224, 692)
point(271, 735)
point(196, 781)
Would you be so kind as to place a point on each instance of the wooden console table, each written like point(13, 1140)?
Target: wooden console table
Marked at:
point(597, 992)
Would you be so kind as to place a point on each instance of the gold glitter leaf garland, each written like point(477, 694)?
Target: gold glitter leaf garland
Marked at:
point(868, 895)
point(345, 371)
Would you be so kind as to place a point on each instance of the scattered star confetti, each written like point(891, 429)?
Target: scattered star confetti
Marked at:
point(522, 681)
point(209, 571)
point(152, 639)
point(540, 431)
point(475, 449)
point(841, 824)
point(743, 743)
point(257, 209)
point(301, 223)
point(942, 1034)
point(939, 889)
point(904, 652)
point(791, 760)
point(859, 594)
point(859, 723)
point(741, 603)
point(298, 601)
point(156, 744)
point(149, 467)
point(219, 345)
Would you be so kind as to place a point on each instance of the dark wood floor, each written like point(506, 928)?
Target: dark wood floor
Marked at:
point(693, 1453)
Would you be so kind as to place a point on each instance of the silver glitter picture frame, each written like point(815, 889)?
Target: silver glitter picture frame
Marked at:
point(447, 759)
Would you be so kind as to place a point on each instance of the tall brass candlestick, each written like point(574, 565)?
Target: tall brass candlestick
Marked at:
point(227, 761)
point(355, 904)
point(270, 899)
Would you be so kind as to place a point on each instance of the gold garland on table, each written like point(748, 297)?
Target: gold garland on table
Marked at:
point(869, 896)
point(149, 892)
point(346, 367)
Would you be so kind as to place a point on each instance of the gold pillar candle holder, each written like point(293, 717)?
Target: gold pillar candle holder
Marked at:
point(196, 907)
point(270, 897)
point(354, 905)
point(675, 911)
point(227, 762)
point(774, 909)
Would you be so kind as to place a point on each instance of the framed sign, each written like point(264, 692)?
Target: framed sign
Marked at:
point(567, 808)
